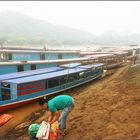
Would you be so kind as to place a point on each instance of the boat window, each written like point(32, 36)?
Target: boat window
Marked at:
point(88, 73)
point(72, 77)
point(20, 68)
point(46, 84)
point(53, 83)
point(5, 94)
point(42, 56)
point(63, 80)
point(33, 66)
point(10, 56)
point(59, 56)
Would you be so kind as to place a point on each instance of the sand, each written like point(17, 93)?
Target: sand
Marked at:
point(108, 108)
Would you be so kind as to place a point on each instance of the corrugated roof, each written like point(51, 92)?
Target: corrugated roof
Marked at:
point(45, 76)
point(29, 73)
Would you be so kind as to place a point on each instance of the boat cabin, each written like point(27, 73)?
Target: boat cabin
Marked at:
point(12, 61)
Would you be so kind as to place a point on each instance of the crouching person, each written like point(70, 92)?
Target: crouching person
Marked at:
point(58, 109)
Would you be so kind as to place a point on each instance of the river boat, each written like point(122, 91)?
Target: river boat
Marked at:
point(22, 88)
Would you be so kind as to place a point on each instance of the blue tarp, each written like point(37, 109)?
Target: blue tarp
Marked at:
point(45, 76)
point(29, 73)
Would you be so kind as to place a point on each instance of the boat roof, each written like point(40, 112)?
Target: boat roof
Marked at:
point(45, 76)
point(92, 65)
point(94, 57)
point(99, 56)
point(38, 51)
point(92, 52)
point(105, 53)
point(120, 52)
point(29, 73)
point(70, 65)
point(45, 61)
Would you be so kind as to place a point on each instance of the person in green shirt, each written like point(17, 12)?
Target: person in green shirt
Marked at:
point(58, 109)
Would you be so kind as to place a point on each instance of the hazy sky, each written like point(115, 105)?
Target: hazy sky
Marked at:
point(93, 16)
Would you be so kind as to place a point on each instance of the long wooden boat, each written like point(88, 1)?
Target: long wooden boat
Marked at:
point(25, 87)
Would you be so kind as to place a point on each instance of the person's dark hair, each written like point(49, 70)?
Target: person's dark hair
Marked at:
point(44, 100)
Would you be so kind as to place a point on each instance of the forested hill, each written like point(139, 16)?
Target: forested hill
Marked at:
point(20, 29)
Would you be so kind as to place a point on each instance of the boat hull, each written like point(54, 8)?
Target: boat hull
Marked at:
point(8, 107)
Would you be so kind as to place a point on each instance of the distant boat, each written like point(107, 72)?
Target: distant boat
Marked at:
point(36, 55)
point(12, 61)
point(26, 87)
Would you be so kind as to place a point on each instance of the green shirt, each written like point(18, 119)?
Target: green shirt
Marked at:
point(59, 103)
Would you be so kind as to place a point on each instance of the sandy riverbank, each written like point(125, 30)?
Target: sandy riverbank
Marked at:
point(105, 109)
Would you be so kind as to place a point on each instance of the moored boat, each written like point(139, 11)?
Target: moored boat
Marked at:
point(24, 88)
